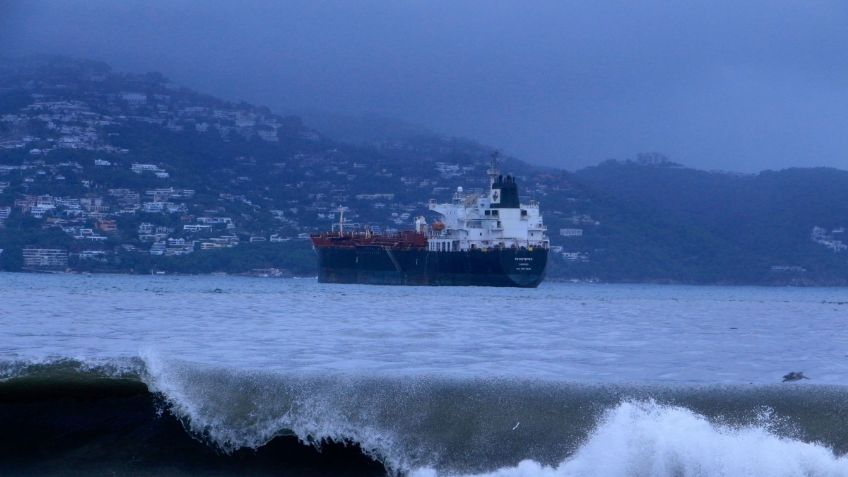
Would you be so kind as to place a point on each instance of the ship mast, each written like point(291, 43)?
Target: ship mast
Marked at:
point(493, 169)
point(341, 219)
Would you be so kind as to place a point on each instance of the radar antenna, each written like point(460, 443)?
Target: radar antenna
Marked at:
point(493, 168)
point(341, 210)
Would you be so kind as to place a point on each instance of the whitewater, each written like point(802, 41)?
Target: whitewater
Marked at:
point(231, 376)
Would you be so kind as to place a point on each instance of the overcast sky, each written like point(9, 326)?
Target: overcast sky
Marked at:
point(715, 84)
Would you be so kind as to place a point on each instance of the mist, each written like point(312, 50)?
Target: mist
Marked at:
point(713, 85)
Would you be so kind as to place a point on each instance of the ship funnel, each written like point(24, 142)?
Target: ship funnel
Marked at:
point(505, 192)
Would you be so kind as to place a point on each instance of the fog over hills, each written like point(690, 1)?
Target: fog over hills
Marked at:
point(364, 129)
point(740, 86)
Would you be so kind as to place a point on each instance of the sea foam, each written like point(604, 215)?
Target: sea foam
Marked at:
point(647, 439)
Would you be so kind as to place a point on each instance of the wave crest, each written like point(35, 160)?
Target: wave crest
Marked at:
point(438, 426)
point(638, 439)
point(235, 410)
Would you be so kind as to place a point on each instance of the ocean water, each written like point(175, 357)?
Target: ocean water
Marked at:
point(161, 375)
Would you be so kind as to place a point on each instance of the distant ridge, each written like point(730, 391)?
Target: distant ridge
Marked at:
point(739, 228)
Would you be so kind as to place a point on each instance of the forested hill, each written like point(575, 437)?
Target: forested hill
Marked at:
point(125, 172)
point(132, 173)
point(713, 227)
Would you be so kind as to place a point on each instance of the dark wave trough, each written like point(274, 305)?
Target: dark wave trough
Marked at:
point(95, 425)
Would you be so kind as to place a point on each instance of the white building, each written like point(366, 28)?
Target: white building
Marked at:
point(136, 99)
point(92, 255)
point(214, 220)
point(569, 232)
point(140, 168)
point(153, 207)
point(45, 257)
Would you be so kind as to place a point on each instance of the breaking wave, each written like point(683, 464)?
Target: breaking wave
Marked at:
point(651, 440)
point(153, 416)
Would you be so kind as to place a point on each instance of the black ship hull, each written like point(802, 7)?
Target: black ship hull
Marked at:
point(386, 266)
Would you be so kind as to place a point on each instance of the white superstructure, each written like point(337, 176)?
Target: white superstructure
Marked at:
point(497, 220)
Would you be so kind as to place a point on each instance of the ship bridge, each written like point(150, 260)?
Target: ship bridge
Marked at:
point(496, 220)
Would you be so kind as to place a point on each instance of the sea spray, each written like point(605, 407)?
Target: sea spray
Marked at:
point(647, 439)
point(240, 409)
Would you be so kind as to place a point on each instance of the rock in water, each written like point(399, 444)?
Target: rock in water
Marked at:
point(794, 376)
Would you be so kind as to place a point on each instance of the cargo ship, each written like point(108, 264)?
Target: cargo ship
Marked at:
point(483, 239)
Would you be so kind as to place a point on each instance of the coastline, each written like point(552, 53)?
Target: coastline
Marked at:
point(559, 280)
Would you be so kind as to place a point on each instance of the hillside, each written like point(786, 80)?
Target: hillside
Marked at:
point(366, 129)
point(131, 173)
point(709, 227)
